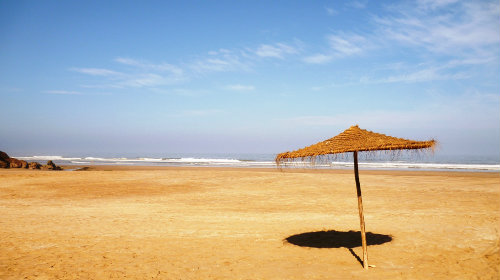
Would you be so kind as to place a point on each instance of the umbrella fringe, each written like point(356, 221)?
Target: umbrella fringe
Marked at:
point(354, 139)
point(323, 159)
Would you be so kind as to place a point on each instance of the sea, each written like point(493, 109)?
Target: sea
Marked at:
point(370, 161)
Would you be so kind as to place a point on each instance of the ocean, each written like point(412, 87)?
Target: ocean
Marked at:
point(369, 161)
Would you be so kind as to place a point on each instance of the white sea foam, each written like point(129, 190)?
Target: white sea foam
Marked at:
point(96, 159)
point(34, 158)
point(426, 166)
point(260, 161)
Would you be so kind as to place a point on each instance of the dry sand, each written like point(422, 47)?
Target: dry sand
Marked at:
point(207, 223)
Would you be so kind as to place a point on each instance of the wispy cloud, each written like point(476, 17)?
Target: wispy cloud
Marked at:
point(278, 50)
point(458, 27)
point(433, 73)
point(150, 66)
point(340, 45)
point(345, 45)
point(471, 61)
point(62, 92)
point(97, 72)
point(180, 91)
point(136, 73)
point(141, 74)
point(433, 4)
point(238, 87)
point(331, 11)
point(466, 31)
point(318, 58)
point(356, 4)
point(219, 61)
point(144, 80)
point(449, 40)
point(215, 64)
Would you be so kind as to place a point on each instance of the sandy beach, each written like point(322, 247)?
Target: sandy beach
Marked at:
point(215, 223)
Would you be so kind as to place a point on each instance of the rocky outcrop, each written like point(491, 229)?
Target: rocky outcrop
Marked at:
point(34, 165)
point(51, 166)
point(16, 163)
point(8, 162)
point(4, 160)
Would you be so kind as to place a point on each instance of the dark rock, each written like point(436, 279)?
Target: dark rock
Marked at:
point(16, 163)
point(4, 156)
point(4, 160)
point(51, 166)
point(34, 165)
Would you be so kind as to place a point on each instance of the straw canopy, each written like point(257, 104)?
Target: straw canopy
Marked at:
point(355, 139)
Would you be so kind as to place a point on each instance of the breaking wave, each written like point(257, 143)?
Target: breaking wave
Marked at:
point(260, 161)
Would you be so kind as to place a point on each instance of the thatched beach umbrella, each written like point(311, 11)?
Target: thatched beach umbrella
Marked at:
point(355, 139)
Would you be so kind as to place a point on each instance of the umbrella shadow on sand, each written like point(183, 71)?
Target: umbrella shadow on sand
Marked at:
point(337, 239)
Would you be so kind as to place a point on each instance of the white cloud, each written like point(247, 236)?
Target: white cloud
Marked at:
point(220, 52)
point(62, 92)
point(341, 45)
point(346, 45)
point(278, 50)
point(209, 65)
point(356, 4)
point(455, 69)
point(220, 61)
point(459, 29)
point(471, 61)
point(331, 11)
point(141, 74)
point(134, 73)
point(421, 75)
point(318, 59)
point(239, 87)
point(180, 91)
point(144, 80)
point(434, 4)
point(128, 61)
point(97, 71)
point(149, 66)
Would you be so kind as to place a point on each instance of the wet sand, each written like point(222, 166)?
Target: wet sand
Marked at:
point(210, 223)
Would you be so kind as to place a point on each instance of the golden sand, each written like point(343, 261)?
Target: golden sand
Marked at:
point(209, 223)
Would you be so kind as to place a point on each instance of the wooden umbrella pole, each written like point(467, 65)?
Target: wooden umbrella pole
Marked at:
point(360, 207)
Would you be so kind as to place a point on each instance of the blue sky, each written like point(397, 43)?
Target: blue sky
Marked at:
point(246, 76)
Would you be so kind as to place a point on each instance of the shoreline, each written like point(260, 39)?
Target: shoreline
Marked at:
point(284, 169)
point(390, 172)
point(442, 163)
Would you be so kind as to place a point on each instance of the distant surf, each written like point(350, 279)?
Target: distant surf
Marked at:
point(440, 163)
